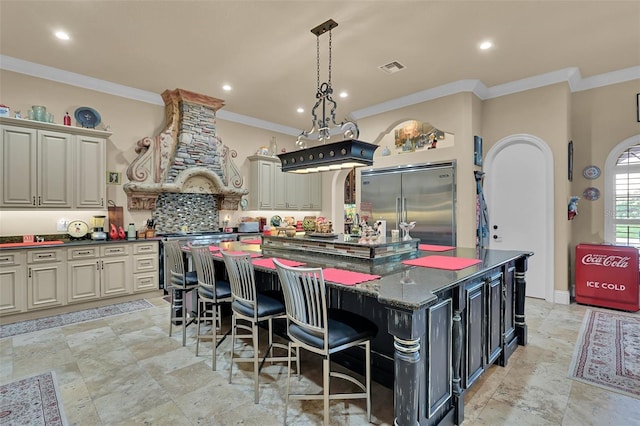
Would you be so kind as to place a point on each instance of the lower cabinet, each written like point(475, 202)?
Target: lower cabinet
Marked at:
point(484, 324)
point(46, 279)
point(13, 282)
point(83, 274)
point(145, 266)
point(115, 270)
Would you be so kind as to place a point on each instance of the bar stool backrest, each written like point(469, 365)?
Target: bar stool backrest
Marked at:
point(241, 278)
point(205, 268)
point(176, 262)
point(305, 299)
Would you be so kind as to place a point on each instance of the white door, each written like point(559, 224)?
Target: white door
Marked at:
point(518, 186)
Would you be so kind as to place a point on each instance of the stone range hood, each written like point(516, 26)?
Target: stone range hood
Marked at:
point(186, 157)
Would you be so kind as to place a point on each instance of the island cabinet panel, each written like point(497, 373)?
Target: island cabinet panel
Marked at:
point(438, 361)
point(475, 331)
point(494, 318)
point(510, 338)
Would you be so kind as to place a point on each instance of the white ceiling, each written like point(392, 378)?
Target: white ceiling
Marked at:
point(266, 51)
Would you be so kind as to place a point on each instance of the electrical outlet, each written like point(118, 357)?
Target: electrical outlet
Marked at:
point(63, 224)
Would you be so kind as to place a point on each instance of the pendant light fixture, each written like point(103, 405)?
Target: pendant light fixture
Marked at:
point(344, 154)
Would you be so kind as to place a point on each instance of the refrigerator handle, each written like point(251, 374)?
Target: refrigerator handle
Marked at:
point(404, 209)
point(398, 213)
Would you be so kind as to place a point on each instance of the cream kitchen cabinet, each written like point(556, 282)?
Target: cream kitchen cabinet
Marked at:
point(271, 189)
point(115, 270)
point(145, 266)
point(51, 166)
point(97, 271)
point(46, 278)
point(13, 282)
point(90, 172)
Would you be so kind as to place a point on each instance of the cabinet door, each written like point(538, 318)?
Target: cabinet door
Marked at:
point(475, 335)
point(18, 147)
point(262, 185)
point(311, 192)
point(115, 276)
point(83, 278)
point(286, 190)
point(46, 285)
point(90, 172)
point(13, 282)
point(494, 319)
point(55, 169)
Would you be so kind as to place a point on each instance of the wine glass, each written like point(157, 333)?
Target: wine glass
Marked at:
point(406, 227)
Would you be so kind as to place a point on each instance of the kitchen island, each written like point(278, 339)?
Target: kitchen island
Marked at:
point(439, 329)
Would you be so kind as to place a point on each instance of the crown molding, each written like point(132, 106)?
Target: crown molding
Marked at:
point(571, 76)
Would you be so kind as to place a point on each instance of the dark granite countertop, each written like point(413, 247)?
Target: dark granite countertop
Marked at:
point(66, 242)
point(400, 285)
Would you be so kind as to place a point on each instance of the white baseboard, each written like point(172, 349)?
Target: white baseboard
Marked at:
point(562, 297)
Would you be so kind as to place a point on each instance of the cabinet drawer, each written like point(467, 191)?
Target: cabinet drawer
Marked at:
point(145, 264)
point(82, 253)
point(11, 258)
point(115, 250)
point(42, 256)
point(142, 282)
point(142, 248)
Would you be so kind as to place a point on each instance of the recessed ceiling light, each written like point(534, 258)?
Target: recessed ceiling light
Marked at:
point(343, 94)
point(300, 110)
point(486, 45)
point(62, 35)
point(226, 87)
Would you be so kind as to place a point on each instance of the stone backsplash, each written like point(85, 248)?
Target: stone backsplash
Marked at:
point(186, 213)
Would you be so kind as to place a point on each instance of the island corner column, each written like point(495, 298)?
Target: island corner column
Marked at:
point(521, 288)
point(408, 329)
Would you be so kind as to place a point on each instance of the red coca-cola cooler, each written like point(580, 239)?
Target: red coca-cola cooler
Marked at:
point(607, 276)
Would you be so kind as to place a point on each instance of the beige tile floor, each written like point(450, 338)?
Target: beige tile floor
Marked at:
point(126, 370)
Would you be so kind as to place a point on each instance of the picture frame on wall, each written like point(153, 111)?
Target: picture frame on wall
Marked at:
point(570, 161)
point(477, 150)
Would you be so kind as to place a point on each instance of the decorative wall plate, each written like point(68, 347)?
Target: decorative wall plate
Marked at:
point(87, 117)
point(276, 220)
point(591, 193)
point(591, 172)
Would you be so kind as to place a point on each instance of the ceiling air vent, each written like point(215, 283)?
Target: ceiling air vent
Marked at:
point(392, 67)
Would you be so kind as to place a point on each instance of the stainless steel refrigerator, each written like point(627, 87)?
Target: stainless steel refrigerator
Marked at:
point(423, 193)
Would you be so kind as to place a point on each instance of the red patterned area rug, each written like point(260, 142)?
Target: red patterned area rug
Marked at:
point(607, 353)
point(32, 401)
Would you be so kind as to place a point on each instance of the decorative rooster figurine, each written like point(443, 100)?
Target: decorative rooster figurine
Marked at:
point(573, 207)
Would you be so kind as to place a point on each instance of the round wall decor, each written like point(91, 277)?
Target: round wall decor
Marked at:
point(591, 172)
point(591, 193)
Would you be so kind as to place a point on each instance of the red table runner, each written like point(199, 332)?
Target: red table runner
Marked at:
point(237, 252)
point(429, 247)
point(268, 262)
point(256, 241)
point(342, 276)
point(40, 243)
point(442, 262)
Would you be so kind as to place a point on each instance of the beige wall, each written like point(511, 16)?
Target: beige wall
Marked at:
point(601, 119)
point(543, 113)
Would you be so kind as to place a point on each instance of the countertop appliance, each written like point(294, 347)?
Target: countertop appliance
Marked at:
point(424, 193)
point(607, 276)
point(98, 228)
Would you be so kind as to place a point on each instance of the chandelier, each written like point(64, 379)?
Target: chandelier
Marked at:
point(345, 154)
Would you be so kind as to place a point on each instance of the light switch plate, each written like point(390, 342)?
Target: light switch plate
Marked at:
point(63, 224)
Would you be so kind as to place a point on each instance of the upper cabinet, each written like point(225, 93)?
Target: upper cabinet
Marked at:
point(46, 165)
point(271, 189)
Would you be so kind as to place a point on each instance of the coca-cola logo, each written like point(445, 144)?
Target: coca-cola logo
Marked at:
point(606, 260)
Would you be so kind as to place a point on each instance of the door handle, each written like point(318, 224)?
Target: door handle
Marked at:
point(398, 220)
point(404, 209)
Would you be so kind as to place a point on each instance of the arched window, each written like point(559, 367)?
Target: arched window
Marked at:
point(622, 209)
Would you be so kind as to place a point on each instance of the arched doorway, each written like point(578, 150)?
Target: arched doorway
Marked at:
point(519, 190)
